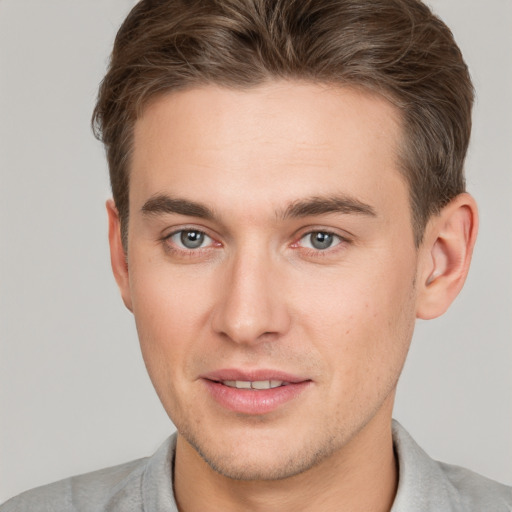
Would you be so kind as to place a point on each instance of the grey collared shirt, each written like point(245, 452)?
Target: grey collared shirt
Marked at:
point(144, 485)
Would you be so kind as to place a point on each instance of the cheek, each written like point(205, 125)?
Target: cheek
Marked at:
point(170, 314)
point(387, 321)
point(165, 299)
point(361, 319)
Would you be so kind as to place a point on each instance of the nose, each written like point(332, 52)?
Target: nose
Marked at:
point(251, 307)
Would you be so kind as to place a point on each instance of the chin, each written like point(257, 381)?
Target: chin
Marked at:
point(262, 459)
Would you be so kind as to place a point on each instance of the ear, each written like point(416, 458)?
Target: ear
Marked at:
point(445, 255)
point(117, 254)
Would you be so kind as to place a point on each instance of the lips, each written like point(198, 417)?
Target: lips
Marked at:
point(258, 384)
point(254, 392)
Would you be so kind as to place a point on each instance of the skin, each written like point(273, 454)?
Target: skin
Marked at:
point(258, 295)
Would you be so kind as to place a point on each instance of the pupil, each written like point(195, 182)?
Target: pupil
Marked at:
point(192, 239)
point(321, 240)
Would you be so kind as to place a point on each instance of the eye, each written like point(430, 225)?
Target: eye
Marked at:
point(320, 240)
point(190, 239)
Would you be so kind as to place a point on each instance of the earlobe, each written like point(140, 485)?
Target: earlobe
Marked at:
point(445, 256)
point(117, 254)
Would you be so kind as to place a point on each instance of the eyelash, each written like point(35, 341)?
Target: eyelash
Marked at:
point(342, 243)
point(172, 248)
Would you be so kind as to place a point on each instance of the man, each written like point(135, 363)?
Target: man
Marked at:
point(288, 199)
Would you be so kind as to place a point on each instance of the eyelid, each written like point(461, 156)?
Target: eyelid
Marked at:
point(169, 245)
point(172, 246)
point(308, 230)
point(345, 239)
point(334, 235)
point(175, 237)
point(168, 232)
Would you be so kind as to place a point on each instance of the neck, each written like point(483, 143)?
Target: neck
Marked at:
point(361, 476)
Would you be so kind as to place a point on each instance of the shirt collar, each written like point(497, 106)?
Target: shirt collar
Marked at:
point(157, 488)
point(422, 485)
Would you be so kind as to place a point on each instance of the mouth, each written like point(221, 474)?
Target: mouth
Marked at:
point(254, 393)
point(257, 384)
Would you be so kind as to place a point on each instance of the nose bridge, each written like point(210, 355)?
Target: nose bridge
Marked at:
point(251, 305)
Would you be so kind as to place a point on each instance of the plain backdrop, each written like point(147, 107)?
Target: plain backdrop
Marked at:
point(74, 394)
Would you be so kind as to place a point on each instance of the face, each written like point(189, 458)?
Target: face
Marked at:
point(271, 269)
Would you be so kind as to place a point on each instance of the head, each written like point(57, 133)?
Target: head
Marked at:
point(288, 198)
point(396, 48)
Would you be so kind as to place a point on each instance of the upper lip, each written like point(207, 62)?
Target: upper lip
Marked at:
point(230, 374)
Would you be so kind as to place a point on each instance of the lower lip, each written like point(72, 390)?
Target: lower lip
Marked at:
point(250, 401)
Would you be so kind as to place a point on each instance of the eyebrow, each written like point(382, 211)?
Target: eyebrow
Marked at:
point(163, 204)
point(324, 205)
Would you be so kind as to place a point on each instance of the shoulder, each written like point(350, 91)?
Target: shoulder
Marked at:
point(426, 485)
point(143, 484)
point(477, 492)
point(114, 488)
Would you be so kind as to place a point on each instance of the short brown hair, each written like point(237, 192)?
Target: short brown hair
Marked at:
point(397, 48)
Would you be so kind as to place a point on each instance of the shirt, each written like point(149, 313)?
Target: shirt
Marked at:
point(145, 485)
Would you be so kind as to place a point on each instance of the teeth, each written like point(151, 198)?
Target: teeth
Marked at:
point(257, 384)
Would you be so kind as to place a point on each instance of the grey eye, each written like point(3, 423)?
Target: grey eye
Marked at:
point(320, 240)
point(190, 238)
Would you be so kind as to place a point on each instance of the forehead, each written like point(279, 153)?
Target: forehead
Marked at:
point(278, 141)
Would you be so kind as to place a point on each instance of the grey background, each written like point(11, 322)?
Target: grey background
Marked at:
point(74, 394)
